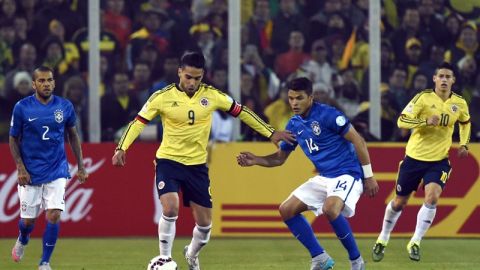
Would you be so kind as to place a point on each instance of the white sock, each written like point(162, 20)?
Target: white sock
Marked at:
point(389, 221)
point(166, 235)
point(200, 238)
point(425, 217)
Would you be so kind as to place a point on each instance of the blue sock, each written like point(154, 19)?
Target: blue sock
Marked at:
point(345, 235)
point(302, 230)
point(49, 240)
point(24, 231)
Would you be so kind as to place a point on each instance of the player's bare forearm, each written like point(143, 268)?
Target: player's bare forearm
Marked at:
point(76, 146)
point(273, 160)
point(14, 144)
point(359, 144)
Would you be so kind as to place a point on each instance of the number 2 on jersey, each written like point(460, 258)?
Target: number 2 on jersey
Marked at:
point(311, 145)
point(44, 136)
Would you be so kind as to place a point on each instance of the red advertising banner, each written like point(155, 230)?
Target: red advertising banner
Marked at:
point(113, 202)
point(123, 201)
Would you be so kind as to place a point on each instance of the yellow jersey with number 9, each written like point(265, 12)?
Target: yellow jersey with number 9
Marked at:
point(186, 120)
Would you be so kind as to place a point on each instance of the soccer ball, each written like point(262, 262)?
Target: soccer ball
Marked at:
point(162, 263)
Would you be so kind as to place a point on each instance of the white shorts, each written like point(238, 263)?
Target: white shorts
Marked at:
point(317, 189)
point(47, 196)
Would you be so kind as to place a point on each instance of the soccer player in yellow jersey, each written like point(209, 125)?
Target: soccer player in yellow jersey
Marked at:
point(186, 111)
point(432, 116)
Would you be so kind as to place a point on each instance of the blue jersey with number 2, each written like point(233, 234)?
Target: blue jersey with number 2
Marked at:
point(320, 135)
point(41, 128)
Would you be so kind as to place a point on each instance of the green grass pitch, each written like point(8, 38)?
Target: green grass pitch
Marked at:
point(238, 254)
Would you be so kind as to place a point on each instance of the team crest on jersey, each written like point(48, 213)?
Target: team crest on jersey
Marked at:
point(316, 128)
point(58, 116)
point(204, 102)
point(454, 108)
point(161, 185)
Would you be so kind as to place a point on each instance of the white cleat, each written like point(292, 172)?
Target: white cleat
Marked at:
point(44, 266)
point(193, 262)
point(17, 251)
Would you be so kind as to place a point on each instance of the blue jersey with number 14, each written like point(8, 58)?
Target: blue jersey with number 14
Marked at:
point(41, 128)
point(321, 136)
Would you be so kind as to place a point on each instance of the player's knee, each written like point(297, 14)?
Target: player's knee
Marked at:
point(28, 221)
point(285, 211)
point(330, 212)
point(398, 204)
point(431, 200)
point(53, 216)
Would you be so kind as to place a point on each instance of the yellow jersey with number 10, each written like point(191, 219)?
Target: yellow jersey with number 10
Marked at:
point(432, 143)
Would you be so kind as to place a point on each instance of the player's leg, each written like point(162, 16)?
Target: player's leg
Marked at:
point(53, 197)
point(309, 195)
point(342, 195)
point(30, 201)
point(166, 174)
point(410, 173)
point(196, 193)
point(434, 180)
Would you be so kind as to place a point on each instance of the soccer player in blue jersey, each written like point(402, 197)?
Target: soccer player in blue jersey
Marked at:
point(431, 115)
point(37, 144)
point(341, 158)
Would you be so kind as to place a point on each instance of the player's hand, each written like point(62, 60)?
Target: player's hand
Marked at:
point(82, 175)
point(246, 159)
point(284, 135)
point(23, 176)
point(433, 120)
point(119, 158)
point(370, 187)
point(462, 151)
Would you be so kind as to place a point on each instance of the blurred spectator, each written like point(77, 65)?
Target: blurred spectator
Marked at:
point(181, 15)
point(266, 83)
point(222, 127)
point(149, 54)
point(452, 24)
point(397, 89)
point(59, 10)
point(279, 112)
point(22, 83)
point(318, 22)
point(324, 94)
point(141, 82)
point(474, 110)
point(7, 35)
point(109, 47)
point(205, 39)
point(419, 83)
point(349, 94)
point(259, 30)
point(27, 60)
point(354, 14)
point(152, 31)
point(246, 132)
point(117, 23)
point(430, 25)
point(170, 72)
point(287, 20)
point(467, 44)
point(413, 51)
point(117, 108)
point(436, 55)
point(467, 73)
point(9, 8)
point(319, 68)
point(20, 25)
point(75, 90)
point(27, 9)
point(72, 55)
point(288, 62)
point(409, 28)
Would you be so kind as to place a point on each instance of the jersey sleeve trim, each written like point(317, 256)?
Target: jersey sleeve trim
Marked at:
point(235, 109)
point(142, 119)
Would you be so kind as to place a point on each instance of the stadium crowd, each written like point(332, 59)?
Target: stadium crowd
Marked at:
point(325, 40)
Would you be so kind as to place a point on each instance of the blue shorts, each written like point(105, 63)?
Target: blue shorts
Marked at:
point(412, 172)
point(192, 180)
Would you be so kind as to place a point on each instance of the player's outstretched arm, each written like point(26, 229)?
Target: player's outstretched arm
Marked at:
point(129, 135)
point(370, 185)
point(23, 175)
point(246, 159)
point(74, 140)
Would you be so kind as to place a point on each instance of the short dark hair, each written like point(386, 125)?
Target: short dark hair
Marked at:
point(192, 59)
point(41, 69)
point(300, 84)
point(445, 65)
